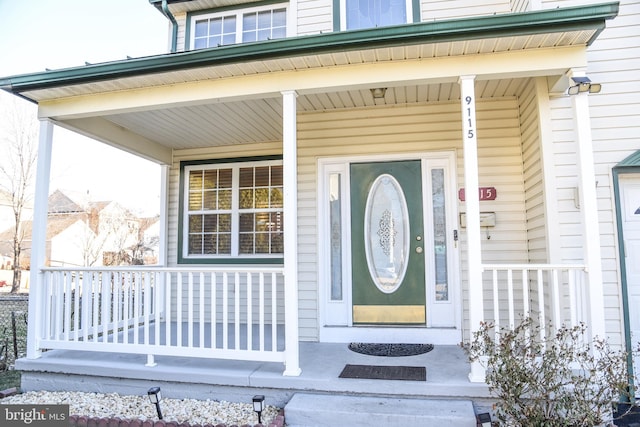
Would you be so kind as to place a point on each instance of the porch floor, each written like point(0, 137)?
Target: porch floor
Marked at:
point(233, 380)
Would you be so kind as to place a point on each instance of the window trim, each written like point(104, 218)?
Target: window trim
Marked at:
point(182, 256)
point(192, 17)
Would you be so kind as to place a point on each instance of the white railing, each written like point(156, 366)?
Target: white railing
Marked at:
point(552, 294)
point(213, 312)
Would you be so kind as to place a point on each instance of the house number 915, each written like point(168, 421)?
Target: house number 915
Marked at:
point(470, 131)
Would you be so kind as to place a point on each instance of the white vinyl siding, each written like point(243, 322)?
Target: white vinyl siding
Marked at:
point(533, 176)
point(314, 17)
point(453, 9)
point(181, 19)
point(615, 122)
point(411, 129)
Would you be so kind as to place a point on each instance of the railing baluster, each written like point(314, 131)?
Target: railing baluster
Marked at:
point(147, 308)
point(136, 307)
point(525, 298)
point(556, 299)
point(157, 304)
point(573, 300)
point(274, 313)
point(58, 291)
point(201, 314)
point(117, 304)
point(237, 312)
point(541, 312)
point(179, 311)
point(511, 301)
point(249, 313)
point(261, 303)
point(167, 309)
point(190, 311)
point(225, 310)
point(496, 304)
point(128, 324)
point(214, 311)
point(76, 304)
point(67, 305)
point(105, 296)
point(96, 305)
point(87, 285)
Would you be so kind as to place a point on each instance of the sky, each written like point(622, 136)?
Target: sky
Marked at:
point(53, 34)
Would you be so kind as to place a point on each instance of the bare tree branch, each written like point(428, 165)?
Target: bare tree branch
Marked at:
point(18, 139)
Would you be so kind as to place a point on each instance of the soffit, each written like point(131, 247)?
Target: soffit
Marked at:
point(333, 59)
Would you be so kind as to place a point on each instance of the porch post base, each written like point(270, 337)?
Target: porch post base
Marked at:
point(292, 372)
point(35, 354)
point(151, 361)
point(477, 374)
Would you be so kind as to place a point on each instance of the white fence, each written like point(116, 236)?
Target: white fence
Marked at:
point(213, 312)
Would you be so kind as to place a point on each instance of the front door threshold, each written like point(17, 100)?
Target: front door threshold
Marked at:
point(391, 335)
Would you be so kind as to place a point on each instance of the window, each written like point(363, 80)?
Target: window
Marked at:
point(360, 14)
point(233, 210)
point(239, 26)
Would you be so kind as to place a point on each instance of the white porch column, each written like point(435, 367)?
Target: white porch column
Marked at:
point(589, 212)
point(290, 161)
point(472, 204)
point(39, 239)
point(164, 215)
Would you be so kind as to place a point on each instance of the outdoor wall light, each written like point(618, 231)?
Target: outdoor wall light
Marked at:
point(583, 84)
point(258, 406)
point(378, 92)
point(155, 397)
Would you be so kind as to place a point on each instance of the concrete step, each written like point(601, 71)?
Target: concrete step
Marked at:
point(321, 410)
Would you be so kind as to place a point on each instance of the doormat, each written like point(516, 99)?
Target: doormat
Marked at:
point(390, 350)
point(370, 372)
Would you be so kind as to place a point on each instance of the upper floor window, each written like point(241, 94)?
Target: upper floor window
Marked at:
point(233, 210)
point(360, 14)
point(239, 26)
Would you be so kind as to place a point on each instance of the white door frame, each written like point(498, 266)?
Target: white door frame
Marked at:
point(628, 226)
point(335, 317)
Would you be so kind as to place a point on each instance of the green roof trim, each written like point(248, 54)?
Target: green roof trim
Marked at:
point(631, 161)
point(590, 17)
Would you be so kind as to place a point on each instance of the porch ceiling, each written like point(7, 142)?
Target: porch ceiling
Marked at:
point(260, 120)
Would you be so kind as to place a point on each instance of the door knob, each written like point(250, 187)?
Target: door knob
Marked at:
point(419, 249)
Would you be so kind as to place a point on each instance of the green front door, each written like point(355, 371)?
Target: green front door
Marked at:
point(388, 263)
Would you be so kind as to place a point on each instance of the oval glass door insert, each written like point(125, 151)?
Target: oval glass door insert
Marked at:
point(386, 233)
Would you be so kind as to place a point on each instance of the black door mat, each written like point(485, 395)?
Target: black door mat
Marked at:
point(372, 372)
point(390, 350)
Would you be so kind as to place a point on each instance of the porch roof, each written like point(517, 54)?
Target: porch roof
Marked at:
point(152, 105)
point(487, 34)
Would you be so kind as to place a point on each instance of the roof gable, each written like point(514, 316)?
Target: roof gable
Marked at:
point(59, 203)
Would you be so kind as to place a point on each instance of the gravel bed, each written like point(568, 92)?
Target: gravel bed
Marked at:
point(138, 407)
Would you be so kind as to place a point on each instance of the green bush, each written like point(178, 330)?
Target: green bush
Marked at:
point(559, 380)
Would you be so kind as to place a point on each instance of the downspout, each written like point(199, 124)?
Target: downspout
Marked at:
point(174, 26)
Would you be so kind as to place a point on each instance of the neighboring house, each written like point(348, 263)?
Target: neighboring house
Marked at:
point(81, 237)
point(338, 173)
point(7, 221)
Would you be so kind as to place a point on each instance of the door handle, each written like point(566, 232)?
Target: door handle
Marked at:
point(419, 249)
